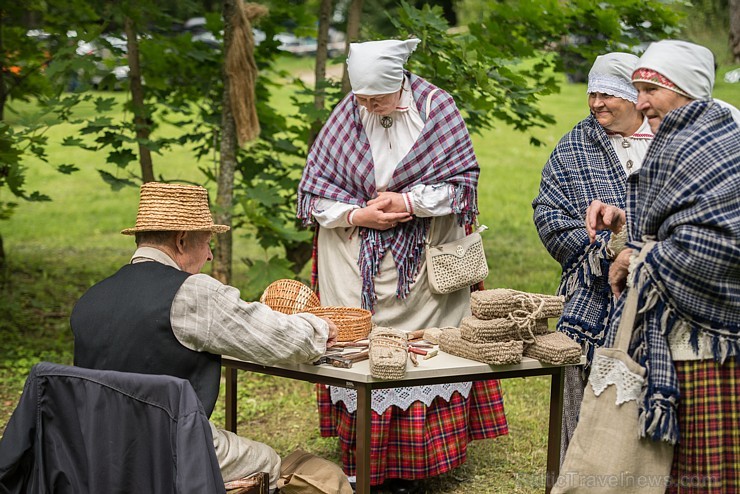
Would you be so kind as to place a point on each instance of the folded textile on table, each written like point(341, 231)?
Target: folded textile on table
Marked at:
point(492, 353)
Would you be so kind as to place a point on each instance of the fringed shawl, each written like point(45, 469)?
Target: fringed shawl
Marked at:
point(340, 167)
point(687, 199)
point(582, 167)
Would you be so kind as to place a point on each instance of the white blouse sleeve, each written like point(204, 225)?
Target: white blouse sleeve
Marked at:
point(332, 214)
point(431, 200)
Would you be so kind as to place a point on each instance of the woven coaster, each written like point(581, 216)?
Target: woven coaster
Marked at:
point(501, 302)
point(554, 348)
point(388, 353)
point(492, 353)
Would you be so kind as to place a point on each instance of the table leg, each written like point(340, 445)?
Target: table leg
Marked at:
point(362, 436)
point(230, 403)
point(555, 427)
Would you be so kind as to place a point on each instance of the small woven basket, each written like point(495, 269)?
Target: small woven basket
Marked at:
point(289, 297)
point(353, 323)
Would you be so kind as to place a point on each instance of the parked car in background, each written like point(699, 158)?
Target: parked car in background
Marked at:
point(288, 42)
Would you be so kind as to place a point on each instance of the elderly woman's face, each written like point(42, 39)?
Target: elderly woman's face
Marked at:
point(381, 104)
point(615, 114)
point(655, 101)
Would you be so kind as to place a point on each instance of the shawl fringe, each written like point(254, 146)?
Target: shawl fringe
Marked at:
point(584, 269)
point(658, 409)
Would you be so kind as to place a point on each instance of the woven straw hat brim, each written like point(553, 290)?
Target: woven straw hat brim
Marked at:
point(180, 228)
point(174, 207)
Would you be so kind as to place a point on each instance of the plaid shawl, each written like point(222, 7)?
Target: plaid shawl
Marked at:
point(582, 167)
point(340, 167)
point(686, 199)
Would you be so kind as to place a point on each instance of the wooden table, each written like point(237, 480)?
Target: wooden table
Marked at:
point(444, 368)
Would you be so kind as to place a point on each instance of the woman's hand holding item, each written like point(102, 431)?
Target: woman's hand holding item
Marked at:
point(375, 215)
point(600, 216)
point(618, 272)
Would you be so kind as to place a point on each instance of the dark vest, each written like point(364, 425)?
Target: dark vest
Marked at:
point(123, 324)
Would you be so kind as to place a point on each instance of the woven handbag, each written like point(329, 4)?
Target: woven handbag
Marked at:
point(458, 264)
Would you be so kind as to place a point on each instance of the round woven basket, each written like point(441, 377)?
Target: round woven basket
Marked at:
point(353, 323)
point(289, 297)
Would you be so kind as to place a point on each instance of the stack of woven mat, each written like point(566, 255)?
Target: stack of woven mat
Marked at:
point(508, 324)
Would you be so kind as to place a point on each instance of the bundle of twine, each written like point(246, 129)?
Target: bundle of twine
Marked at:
point(241, 70)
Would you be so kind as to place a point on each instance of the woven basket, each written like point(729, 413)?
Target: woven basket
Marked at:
point(353, 323)
point(499, 329)
point(289, 297)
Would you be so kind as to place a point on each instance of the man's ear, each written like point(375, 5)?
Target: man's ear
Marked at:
point(180, 241)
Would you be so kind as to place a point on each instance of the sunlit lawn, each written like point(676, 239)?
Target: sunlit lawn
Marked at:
point(57, 249)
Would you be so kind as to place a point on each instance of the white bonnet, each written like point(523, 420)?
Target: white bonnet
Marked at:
point(612, 74)
point(687, 65)
point(376, 67)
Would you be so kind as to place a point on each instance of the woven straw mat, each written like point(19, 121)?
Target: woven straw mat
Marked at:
point(492, 353)
point(500, 302)
point(499, 329)
point(554, 348)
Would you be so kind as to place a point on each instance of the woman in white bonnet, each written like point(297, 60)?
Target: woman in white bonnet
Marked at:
point(593, 160)
point(393, 156)
point(683, 221)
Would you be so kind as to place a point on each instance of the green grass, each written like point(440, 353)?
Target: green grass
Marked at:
point(56, 250)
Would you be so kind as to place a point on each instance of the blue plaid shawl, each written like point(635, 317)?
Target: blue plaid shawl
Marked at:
point(687, 199)
point(340, 167)
point(582, 167)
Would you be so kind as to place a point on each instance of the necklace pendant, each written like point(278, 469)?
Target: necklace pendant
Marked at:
point(629, 165)
point(625, 143)
point(386, 121)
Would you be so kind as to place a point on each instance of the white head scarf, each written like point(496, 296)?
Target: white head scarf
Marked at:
point(612, 74)
point(376, 67)
point(688, 66)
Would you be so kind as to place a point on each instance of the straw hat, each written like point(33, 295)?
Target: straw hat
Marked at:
point(173, 207)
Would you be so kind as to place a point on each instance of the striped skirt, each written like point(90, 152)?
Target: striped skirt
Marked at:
point(419, 442)
point(707, 458)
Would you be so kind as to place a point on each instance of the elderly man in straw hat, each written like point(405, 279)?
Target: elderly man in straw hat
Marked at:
point(682, 259)
point(158, 315)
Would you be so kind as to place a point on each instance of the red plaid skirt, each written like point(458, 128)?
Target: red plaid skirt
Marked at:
point(419, 442)
point(707, 458)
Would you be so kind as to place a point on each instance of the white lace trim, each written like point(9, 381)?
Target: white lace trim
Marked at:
point(607, 370)
point(382, 399)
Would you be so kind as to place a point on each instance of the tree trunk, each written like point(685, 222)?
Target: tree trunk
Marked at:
point(142, 122)
point(222, 254)
point(734, 8)
point(353, 33)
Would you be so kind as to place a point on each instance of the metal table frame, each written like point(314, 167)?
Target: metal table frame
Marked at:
point(444, 368)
